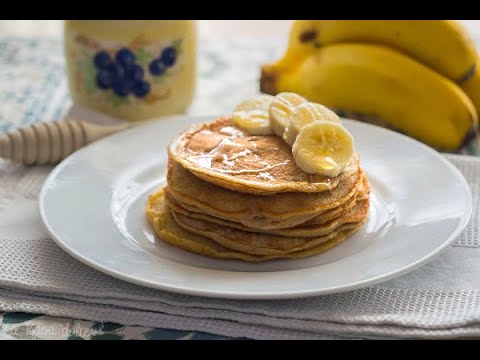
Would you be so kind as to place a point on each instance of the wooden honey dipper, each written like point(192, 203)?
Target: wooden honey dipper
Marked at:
point(50, 142)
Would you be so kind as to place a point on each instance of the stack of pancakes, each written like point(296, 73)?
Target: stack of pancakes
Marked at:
point(232, 195)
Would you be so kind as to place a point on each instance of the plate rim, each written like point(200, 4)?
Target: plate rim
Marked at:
point(264, 295)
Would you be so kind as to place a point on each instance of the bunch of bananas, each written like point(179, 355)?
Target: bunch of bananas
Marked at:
point(419, 77)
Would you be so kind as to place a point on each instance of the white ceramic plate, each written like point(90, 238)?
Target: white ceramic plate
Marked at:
point(92, 205)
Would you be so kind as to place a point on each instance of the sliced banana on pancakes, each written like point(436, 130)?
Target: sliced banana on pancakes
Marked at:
point(252, 115)
point(282, 109)
point(305, 114)
point(323, 147)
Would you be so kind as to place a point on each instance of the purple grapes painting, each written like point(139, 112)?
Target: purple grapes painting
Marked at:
point(128, 73)
point(121, 74)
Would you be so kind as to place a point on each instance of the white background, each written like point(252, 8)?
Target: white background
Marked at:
point(208, 29)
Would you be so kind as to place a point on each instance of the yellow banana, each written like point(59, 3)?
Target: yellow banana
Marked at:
point(281, 110)
point(472, 87)
point(379, 81)
point(442, 45)
point(305, 114)
point(323, 147)
point(252, 115)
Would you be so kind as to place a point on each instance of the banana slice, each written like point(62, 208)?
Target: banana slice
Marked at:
point(252, 115)
point(282, 109)
point(305, 114)
point(323, 148)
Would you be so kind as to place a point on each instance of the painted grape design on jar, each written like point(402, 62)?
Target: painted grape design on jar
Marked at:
point(122, 74)
point(167, 59)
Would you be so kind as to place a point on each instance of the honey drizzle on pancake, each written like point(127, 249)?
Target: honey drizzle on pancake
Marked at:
point(267, 168)
point(220, 150)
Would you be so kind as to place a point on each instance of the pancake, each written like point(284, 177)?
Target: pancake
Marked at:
point(168, 230)
point(323, 218)
point(254, 243)
point(277, 211)
point(196, 213)
point(261, 243)
point(221, 154)
point(319, 226)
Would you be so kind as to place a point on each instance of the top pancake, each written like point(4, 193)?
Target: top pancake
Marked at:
point(224, 155)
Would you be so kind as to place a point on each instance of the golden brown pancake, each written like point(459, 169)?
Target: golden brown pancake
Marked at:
point(260, 243)
point(319, 226)
point(277, 211)
point(232, 195)
point(196, 213)
point(323, 218)
point(168, 230)
point(224, 155)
